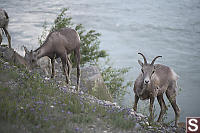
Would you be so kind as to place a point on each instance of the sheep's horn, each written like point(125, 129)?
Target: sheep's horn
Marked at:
point(155, 59)
point(145, 60)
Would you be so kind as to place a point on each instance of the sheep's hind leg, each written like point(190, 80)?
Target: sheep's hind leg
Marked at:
point(64, 61)
point(77, 54)
point(171, 95)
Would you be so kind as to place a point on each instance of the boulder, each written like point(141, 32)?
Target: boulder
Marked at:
point(92, 82)
point(6, 53)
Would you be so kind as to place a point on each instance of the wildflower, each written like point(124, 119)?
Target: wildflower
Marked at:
point(76, 129)
point(52, 106)
point(94, 109)
point(46, 119)
point(39, 102)
point(68, 112)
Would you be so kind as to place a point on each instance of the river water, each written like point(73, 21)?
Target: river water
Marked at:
point(170, 28)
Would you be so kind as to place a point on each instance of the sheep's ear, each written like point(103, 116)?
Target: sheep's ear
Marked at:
point(25, 49)
point(140, 62)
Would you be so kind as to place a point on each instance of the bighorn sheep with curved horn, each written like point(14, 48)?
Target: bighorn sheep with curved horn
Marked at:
point(59, 43)
point(4, 19)
point(155, 80)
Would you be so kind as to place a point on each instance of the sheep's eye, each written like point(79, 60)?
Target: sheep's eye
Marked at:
point(153, 72)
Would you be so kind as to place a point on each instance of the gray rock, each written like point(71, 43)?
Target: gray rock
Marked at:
point(92, 82)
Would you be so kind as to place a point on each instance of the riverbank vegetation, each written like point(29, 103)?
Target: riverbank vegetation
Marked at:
point(91, 53)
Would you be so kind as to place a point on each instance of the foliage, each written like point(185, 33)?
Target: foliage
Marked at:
point(91, 53)
point(114, 80)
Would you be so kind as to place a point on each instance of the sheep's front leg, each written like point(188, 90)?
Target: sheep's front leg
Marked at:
point(8, 37)
point(151, 108)
point(135, 103)
point(53, 69)
point(0, 38)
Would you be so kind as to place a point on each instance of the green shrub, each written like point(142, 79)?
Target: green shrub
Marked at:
point(114, 79)
point(91, 53)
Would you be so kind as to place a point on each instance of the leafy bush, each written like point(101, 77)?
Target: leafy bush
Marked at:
point(114, 79)
point(91, 53)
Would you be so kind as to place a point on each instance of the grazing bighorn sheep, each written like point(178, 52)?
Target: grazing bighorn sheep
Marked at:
point(59, 43)
point(154, 80)
point(11, 55)
point(44, 62)
point(4, 19)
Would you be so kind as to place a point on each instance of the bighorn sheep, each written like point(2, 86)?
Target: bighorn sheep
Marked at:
point(4, 19)
point(154, 80)
point(11, 55)
point(44, 62)
point(59, 43)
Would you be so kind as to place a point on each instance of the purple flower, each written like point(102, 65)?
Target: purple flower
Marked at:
point(68, 112)
point(39, 102)
point(62, 111)
point(94, 109)
point(76, 129)
point(46, 119)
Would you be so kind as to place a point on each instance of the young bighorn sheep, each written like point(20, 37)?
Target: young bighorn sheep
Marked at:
point(155, 80)
point(11, 55)
point(44, 62)
point(59, 43)
point(4, 19)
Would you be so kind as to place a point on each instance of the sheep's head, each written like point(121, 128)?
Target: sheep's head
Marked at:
point(147, 69)
point(30, 57)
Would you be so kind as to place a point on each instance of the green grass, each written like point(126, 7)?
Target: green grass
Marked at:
point(30, 105)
